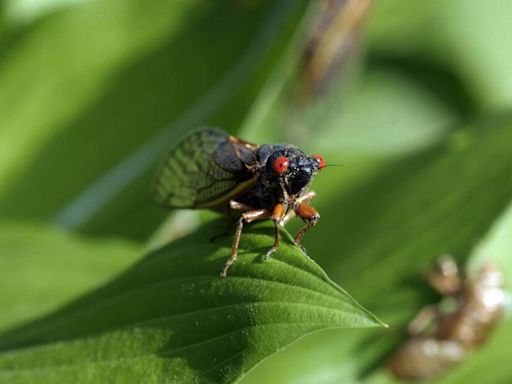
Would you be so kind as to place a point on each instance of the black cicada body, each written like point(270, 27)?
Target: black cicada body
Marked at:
point(211, 169)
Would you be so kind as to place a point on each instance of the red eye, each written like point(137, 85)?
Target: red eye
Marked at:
point(320, 159)
point(281, 164)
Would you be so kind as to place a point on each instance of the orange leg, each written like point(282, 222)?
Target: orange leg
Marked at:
point(248, 217)
point(278, 215)
point(305, 198)
point(310, 216)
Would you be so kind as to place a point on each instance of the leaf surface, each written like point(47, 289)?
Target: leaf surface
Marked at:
point(172, 318)
point(42, 268)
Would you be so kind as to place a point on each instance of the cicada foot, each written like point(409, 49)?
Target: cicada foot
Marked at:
point(311, 217)
point(269, 254)
point(303, 249)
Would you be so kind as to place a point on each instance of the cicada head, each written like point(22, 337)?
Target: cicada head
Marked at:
point(289, 165)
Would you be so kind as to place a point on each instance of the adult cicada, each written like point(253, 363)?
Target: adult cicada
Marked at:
point(211, 169)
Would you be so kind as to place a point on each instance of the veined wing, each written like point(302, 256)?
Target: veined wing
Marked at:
point(204, 170)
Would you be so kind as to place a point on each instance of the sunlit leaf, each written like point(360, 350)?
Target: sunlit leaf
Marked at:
point(475, 33)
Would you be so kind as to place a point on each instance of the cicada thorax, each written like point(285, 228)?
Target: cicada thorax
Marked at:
point(235, 157)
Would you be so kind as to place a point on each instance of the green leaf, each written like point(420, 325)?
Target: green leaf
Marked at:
point(404, 118)
point(23, 11)
point(475, 33)
point(378, 237)
point(496, 246)
point(41, 268)
point(171, 317)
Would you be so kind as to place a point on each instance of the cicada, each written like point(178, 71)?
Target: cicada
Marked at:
point(212, 169)
point(443, 334)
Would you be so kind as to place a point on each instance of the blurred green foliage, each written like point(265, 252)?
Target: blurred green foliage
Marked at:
point(93, 92)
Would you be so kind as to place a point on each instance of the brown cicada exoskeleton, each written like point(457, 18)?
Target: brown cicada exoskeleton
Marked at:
point(443, 334)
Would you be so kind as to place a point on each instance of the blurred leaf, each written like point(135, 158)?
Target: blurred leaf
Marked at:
point(385, 114)
point(41, 269)
point(470, 37)
point(378, 112)
point(171, 317)
point(24, 11)
point(389, 229)
point(497, 245)
point(96, 40)
point(127, 89)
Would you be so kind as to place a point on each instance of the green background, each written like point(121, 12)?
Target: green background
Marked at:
point(92, 93)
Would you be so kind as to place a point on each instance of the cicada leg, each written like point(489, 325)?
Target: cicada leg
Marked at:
point(278, 215)
point(310, 216)
point(305, 198)
point(247, 217)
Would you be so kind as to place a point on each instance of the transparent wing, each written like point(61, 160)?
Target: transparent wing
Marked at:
point(203, 170)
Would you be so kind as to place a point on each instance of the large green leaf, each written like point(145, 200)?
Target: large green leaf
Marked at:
point(389, 229)
point(172, 318)
point(136, 76)
point(404, 117)
point(46, 91)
